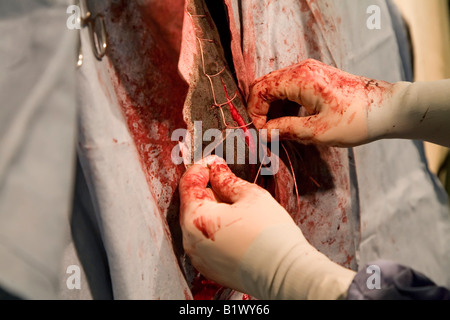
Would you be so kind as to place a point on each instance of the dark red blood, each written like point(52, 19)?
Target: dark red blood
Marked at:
point(240, 121)
point(204, 289)
point(349, 260)
point(143, 50)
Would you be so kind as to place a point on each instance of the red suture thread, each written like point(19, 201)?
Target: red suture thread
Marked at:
point(240, 121)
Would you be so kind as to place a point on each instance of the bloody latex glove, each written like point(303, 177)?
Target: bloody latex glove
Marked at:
point(237, 235)
point(348, 110)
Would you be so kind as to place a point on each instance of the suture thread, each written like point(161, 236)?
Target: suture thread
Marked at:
point(211, 76)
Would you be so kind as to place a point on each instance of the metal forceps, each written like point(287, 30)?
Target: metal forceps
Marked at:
point(97, 32)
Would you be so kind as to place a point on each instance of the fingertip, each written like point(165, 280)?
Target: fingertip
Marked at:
point(258, 121)
point(193, 190)
point(290, 128)
point(226, 184)
point(257, 107)
point(195, 176)
point(219, 167)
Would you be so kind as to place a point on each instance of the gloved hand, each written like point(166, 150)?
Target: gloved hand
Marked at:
point(348, 110)
point(237, 235)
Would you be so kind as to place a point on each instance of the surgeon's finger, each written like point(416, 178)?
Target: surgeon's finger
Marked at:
point(227, 185)
point(302, 129)
point(193, 189)
point(302, 83)
point(263, 92)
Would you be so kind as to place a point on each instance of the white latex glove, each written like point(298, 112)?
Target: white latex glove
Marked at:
point(347, 110)
point(237, 235)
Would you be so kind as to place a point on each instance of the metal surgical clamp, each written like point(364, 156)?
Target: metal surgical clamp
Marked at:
point(97, 32)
